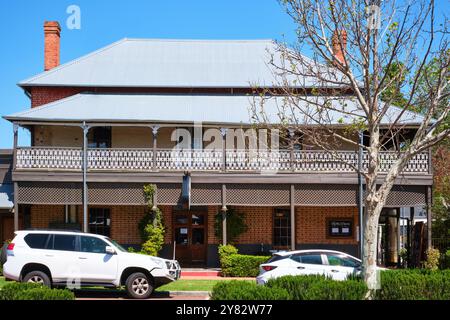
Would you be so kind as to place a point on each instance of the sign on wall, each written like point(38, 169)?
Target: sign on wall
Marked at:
point(340, 227)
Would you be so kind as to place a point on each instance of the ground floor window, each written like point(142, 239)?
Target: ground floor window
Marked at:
point(282, 228)
point(100, 221)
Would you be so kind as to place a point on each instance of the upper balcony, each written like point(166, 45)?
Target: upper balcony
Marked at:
point(234, 161)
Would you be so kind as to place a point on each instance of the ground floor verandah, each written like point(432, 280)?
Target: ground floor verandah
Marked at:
point(192, 237)
point(278, 216)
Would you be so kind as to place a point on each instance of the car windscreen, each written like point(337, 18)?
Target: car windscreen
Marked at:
point(118, 246)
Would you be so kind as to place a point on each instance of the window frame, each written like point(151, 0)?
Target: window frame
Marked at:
point(98, 136)
point(105, 226)
point(341, 256)
point(51, 239)
point(33, 234)
point(320, 254)
point(88, 236)
point(289, 234)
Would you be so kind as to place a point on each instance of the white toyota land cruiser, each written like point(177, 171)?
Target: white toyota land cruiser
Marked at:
point(63, 258)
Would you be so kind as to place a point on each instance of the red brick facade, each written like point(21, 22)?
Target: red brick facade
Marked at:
point(44, 95)
point(259, 222)
point(124, 220)
point(311, 223)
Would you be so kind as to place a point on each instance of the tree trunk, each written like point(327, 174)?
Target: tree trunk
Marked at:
point(370, 274)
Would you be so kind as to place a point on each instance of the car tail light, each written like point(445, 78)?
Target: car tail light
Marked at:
point(10, 247)
point(268, 268)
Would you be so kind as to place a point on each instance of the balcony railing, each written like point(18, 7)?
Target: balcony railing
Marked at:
point(50, 158)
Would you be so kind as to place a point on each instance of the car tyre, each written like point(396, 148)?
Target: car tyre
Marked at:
point(37, 277)
point(139, 286)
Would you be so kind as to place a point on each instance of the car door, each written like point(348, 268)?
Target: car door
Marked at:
point(309, 263)
point(61, 257)
point(340, 266)
point(95, 264)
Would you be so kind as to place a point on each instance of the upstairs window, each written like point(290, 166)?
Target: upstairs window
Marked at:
point(99, 137)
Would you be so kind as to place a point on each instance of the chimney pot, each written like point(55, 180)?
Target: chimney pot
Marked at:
point(52, 31)
point(338, 50)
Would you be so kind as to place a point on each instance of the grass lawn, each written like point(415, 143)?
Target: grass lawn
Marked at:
point(2, 281)
point(180, 285)
point(191, 285)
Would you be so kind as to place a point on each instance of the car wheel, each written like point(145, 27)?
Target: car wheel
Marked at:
point(37, 277)
point(139, 286)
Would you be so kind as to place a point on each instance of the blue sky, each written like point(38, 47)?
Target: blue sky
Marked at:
point(106, 21)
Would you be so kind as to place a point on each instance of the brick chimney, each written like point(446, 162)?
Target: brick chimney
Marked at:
point(338, 50)
point(52, 31)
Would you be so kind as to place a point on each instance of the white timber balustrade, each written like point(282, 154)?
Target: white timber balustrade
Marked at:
point(46, 158)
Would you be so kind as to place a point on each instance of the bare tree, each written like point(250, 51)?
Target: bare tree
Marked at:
point(360, 51)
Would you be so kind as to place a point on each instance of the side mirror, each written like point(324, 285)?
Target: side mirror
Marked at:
point(110, 250)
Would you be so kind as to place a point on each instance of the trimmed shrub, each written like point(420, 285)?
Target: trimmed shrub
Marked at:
point(246, 265)
point(224, 254)
point(446, 260)
point(418, 284)
point(244, 290)
point(33, 291)
point(239, 265)
point(432, 262)
point(318, 287)
point(227, 250)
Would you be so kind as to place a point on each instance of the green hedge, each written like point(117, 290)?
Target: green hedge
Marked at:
point(395, 285)
point(239, 265)
point(419, 284)
point(244, 290)
point(446, 260)
point(317, 287)
point(32, 291)
point(291, 288)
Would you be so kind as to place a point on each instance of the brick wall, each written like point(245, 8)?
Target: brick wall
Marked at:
point(310, 223)
point(259, 221)
point(44, 95)
point(124, 223)
point(311, 226)
point(167, 214)
point(42, 215)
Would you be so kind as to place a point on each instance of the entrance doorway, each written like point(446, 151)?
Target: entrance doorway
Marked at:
point(190, 235)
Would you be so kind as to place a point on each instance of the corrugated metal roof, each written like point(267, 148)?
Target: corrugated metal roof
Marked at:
point(172, 63)
point(212, 109)
point(6, 196)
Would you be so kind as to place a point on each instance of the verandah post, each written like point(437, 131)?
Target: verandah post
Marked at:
point(85, 163)
point(155, 144)
point(224, 215)
point(292, 200)
point(16, 185)
point(223, 132)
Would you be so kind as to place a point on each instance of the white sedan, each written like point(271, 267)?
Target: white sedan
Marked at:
point(334, 264)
